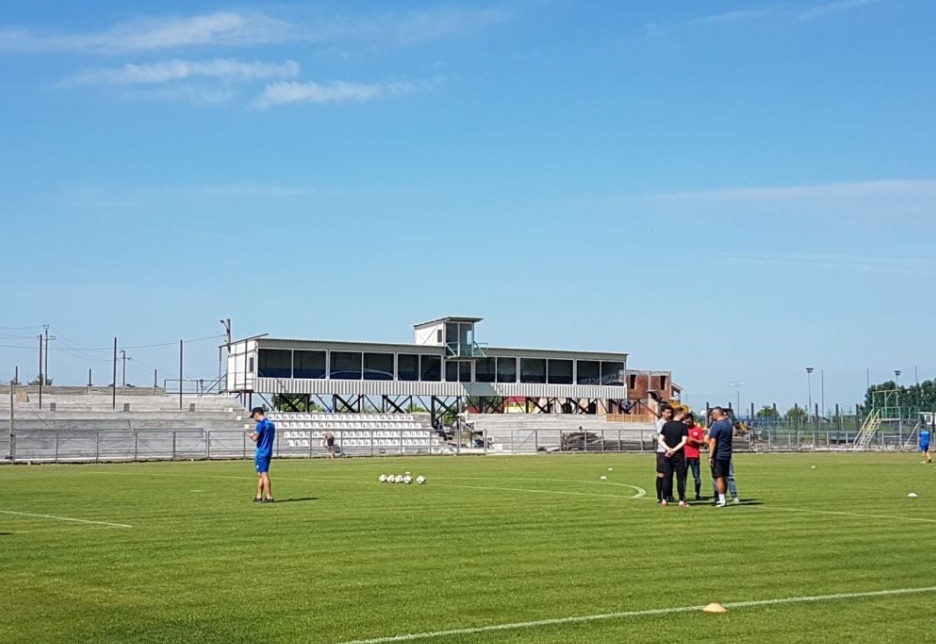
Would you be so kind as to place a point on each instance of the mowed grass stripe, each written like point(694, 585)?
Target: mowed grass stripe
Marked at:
point(366, 560)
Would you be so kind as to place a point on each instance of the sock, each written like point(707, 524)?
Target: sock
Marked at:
point(659, 486)
point(721, 498)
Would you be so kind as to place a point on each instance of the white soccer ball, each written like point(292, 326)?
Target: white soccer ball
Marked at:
point(406, 473)
point(420, 480)
point(407, 479)
point(398, 479)
point(382, 478)
point(610, 469)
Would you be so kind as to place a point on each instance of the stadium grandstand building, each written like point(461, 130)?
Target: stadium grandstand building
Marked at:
point(444, 370)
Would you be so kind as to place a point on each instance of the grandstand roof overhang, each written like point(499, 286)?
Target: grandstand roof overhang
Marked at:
point(450, 318)
point(388, 347)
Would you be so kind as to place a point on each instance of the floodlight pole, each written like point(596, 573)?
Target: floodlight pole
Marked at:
point(809, 371)
point(822, 390)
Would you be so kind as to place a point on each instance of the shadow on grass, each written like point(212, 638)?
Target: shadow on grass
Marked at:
point(709, 503)
point(304, 499)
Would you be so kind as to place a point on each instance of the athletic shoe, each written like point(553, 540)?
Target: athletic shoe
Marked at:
point(683, 504)
point(698, 497)
point(256, 500)
point(663, 504)
point(736, 501)
point(720, 505)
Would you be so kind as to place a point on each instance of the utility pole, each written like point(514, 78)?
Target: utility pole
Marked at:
point(124, 357)
point(41, 376)
point(12, 400)
point(226, 323)
point(114, 381)
point(181, 364)
point(47, 338)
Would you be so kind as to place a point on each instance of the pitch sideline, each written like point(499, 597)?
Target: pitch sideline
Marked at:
point(637, 613)
point(49, 516)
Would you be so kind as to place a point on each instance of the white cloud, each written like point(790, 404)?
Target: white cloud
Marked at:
point(220, 28)
point(222, 69)
point(237, 191)
point(284, 92)
point(848, 263)
point(234, 29)
point(886, 187)
point(185, 93)
point(728, 17)
point(821, 11)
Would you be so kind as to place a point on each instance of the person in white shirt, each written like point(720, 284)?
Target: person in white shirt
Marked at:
point(666, 415)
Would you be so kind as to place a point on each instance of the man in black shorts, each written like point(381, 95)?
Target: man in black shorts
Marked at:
point(720, 452)
point(673, 438)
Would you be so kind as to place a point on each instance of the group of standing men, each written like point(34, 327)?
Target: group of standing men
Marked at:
point(679, 448)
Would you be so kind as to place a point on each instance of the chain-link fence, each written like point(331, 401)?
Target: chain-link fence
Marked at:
point(112, 445)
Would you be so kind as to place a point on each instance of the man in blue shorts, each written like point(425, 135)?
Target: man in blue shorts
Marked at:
point(720, 452)
point(925, 442)
point(264, 436)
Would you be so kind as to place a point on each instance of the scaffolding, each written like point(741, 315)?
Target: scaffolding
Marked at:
point(887, 418)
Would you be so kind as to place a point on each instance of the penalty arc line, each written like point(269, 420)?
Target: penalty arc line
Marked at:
point(637, 613)
point(49, 516)
point(640, 491)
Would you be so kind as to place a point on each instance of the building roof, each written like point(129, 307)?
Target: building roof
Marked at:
point(448, 318)
point(429, 348)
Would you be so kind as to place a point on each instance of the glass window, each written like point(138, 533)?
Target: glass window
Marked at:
point(308, 364)
point(484, 370)
point(451, 371)
point(275, 363)
point(506, 370)
point(378, 366)
point(612, 373)
point(345, 366)
point(451, 333)
point(560, 372)
point(430, 368)
point(408, 367)
point(589, 372)
point(464, 371)
point(532, 370)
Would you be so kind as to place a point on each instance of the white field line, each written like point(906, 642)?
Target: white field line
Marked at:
point(857, 515)
point(640, 492)
point(49, 516)
point(637, 613)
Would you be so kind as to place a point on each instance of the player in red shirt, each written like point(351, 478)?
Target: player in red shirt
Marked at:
point(696, 441)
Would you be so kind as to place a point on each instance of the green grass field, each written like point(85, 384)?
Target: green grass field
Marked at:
point(489, 541)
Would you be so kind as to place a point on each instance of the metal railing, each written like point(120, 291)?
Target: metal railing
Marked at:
point(147, 445)
point(195, 386)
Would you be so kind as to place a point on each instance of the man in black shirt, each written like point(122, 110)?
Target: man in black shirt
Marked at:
point(673, 437)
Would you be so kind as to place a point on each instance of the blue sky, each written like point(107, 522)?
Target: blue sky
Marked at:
point(734, 190)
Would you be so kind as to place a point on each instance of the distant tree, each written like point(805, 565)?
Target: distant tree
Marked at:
point(796, 414)
point(767, 412)
point(45, 381)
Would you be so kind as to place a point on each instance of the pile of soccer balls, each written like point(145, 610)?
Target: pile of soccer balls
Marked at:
point(405, 479)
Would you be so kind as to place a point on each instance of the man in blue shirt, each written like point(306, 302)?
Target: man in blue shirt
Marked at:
point(720, 452)
point(264, 436)
point(925, 443)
